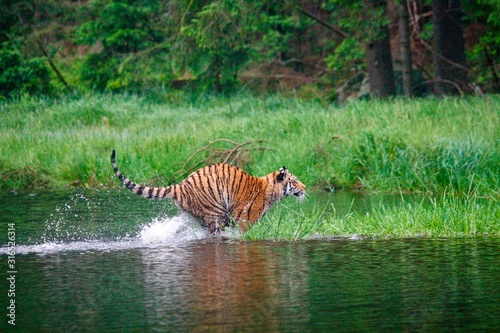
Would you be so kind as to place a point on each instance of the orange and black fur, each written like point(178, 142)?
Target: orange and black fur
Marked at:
point(221, 193)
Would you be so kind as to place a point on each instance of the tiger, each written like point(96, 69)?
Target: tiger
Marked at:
point(220, 195)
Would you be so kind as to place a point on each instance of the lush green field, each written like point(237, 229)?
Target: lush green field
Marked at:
point(446, 148)
point(424, 145)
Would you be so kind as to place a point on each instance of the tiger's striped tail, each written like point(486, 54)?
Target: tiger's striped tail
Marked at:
point(144, 191)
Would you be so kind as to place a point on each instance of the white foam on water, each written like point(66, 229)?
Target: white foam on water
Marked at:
point(170, 231)
point(174, 230)
point(79, 246)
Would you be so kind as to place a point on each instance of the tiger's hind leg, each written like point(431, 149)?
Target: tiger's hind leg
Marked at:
point(215, 223)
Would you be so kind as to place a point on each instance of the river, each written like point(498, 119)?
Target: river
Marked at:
point(105, 260)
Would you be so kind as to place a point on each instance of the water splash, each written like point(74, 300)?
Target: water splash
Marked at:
point(81, 217)
point(161, 231)
point(175, 230)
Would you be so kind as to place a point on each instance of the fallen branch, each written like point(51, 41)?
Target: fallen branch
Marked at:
point(217, 155)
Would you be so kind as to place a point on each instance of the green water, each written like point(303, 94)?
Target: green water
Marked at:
point(105, 261)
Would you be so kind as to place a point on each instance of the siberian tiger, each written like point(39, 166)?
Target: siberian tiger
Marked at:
point(221, 194)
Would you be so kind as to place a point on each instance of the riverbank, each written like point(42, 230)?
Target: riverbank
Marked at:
point(444, 216)
point(422, 145)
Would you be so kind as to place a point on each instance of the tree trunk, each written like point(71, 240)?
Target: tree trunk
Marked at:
point(405, 44)
point(379, 61)
point(449, 48)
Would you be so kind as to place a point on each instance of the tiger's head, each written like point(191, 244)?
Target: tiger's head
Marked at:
point(291, 185)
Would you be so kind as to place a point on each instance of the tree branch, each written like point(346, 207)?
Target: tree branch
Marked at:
point(52, 65)
point(414, 18)
point(453, 83)
point(323, 23)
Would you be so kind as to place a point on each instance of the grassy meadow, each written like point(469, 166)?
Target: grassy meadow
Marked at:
point(446, 147)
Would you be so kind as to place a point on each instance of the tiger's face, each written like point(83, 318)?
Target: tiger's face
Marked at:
point(291, 184)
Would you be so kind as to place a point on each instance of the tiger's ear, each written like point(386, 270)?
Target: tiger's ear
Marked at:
point(283, 171)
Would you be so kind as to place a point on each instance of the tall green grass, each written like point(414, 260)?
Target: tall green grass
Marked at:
point(425, 145)
point(445, 216)
point(288, 224)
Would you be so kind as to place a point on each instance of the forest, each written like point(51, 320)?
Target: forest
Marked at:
point(330, 50)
